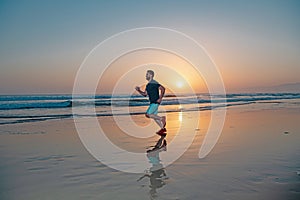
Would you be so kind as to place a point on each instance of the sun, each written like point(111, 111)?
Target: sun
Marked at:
point(179, 84)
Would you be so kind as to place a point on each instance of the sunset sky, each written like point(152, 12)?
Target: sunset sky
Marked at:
point(43, 43)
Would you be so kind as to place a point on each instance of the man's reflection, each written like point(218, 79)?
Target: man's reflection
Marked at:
point(156, 173)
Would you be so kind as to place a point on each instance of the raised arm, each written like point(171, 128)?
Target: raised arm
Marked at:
point(138, 89)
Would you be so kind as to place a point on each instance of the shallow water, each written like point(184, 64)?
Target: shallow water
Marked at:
point(30, 108)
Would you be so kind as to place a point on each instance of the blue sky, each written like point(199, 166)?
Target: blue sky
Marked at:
point(254, 43)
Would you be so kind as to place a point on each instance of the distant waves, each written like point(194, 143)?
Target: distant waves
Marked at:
point(27, 108)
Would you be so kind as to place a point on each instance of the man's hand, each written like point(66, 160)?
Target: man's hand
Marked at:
point(159, 100)
point(144, 93)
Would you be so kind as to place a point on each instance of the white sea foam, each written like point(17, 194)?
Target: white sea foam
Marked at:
point(26, 108)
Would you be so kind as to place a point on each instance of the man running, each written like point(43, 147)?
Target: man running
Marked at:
point(155, 98)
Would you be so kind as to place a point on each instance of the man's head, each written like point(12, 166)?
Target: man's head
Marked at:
point(149, 75)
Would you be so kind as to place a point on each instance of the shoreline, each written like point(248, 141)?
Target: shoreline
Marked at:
point(39, 118)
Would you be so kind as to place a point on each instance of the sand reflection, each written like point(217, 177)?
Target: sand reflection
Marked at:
point(157, 173)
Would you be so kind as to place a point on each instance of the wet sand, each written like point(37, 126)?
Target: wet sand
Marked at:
point(256, 157)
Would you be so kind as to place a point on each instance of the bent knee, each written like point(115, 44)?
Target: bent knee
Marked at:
point(148, 116)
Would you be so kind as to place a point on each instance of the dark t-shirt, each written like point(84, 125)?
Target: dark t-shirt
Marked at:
point(152, 91)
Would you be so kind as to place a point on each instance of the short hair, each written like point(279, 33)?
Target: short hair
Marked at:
point(151, 72)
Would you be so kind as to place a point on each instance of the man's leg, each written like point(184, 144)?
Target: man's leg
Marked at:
point(152, 113)
point(159, 123)
point(157, 119)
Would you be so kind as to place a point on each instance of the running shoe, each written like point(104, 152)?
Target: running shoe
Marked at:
point(162, 132)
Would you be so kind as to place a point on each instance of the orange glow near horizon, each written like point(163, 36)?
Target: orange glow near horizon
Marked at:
point(176, 74)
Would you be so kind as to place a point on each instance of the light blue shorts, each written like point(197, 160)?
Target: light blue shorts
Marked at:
point(152, 109)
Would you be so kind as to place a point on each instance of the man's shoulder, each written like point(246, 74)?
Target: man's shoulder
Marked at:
point(153, 82)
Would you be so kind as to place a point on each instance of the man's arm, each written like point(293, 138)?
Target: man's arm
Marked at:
point(138, 89)
point(162, 93)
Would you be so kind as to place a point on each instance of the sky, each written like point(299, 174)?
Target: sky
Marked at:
point(43, 43)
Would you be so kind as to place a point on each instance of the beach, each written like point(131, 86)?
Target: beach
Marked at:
point(81, 84)
point(256, 157)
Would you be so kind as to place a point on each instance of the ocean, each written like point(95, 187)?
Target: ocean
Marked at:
point(29, 108)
